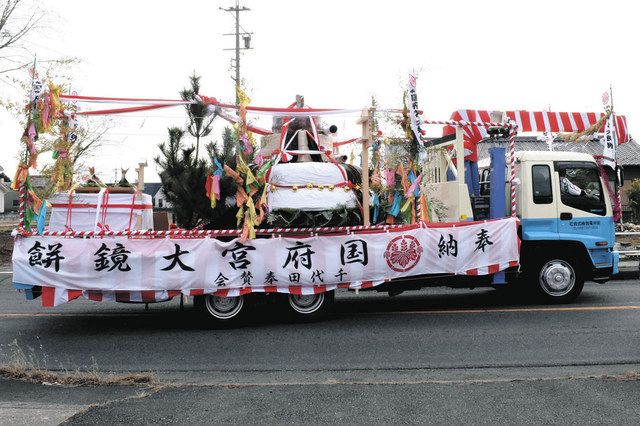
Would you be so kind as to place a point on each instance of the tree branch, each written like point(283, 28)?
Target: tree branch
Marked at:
point(9, 38)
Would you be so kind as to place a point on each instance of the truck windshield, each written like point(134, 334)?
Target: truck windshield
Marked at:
point(580, 188)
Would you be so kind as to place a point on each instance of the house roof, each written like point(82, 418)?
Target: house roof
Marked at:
point(152, 188)
point(627, 154)
point(3, 176)
point(4, 187)
point(5, 182)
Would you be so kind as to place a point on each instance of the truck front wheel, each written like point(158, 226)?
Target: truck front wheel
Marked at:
point(559, 279)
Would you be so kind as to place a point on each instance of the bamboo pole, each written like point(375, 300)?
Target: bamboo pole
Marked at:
point(460, 154)
point(139, 189)
point(365, 122)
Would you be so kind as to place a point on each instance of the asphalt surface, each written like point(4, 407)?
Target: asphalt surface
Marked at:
point(434, 356)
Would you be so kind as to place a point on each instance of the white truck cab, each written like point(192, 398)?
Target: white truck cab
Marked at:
point(567, 226)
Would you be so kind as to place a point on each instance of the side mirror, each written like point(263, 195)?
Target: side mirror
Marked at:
point(619, 176)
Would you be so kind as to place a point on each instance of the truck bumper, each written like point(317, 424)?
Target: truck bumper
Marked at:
point(602, 275)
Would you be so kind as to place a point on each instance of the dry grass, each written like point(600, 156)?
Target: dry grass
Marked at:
point(75, 378)
point(629, 376)
point(31, 365)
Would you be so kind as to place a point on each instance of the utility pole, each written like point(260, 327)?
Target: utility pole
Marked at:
point(246, 37)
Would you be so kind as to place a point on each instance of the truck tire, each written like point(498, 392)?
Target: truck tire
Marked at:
point(222, 312)
point(558, 278)
point(309, 307)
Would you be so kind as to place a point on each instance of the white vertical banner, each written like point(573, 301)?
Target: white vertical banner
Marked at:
point(610, 138)
point(412, 100)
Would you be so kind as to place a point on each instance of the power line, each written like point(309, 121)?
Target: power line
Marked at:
point(246, 37)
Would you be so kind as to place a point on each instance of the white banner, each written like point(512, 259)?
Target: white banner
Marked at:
point(121, 264)
point(610, 142)
point(609, 139)
point(412, 100)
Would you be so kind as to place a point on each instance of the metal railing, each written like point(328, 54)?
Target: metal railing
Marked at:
point(630, 256)
point(627, 253)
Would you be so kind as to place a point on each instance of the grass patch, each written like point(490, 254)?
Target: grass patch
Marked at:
point(31, 365)
point(75, 378)
point(628, 376)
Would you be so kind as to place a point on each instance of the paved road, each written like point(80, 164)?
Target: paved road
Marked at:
point(432, 356)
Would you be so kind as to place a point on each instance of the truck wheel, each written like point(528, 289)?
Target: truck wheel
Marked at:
point(222, 311)
point(310, 307)
point(559, 279)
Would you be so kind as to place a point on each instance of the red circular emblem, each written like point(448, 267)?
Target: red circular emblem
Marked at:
point(403, 253)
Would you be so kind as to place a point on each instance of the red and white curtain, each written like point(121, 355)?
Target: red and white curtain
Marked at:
point(532, 121)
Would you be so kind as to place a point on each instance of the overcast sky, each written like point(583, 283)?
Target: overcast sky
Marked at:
point(482, 55)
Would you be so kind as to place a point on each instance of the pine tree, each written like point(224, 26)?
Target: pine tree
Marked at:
point(199, 125)
point(183, 180)
point(227, 153)
point(229, 143)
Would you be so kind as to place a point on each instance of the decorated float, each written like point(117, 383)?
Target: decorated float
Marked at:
point(308, 223)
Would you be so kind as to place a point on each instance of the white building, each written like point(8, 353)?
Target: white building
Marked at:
point(8, 197)
point(159, 200)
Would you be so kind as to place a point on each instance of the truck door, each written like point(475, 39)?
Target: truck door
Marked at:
point(537, 201)
point(584, 211)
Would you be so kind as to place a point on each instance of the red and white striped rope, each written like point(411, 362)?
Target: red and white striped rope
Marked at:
point(619, 203)
point(21, 207)
point(196, 233)
point(512, 166)
point(463, 123)
point(213, 232)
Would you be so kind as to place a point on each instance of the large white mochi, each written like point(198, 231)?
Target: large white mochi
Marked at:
point(315, 199)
